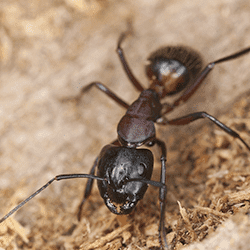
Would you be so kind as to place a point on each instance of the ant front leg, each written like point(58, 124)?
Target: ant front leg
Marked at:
point(89, 185)
point(201, 115)
point(88, 189)
point(101, 87)
point(162, 195)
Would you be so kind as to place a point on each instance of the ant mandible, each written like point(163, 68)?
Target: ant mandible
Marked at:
point(123, 172)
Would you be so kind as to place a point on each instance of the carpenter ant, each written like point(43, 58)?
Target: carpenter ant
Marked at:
point(123, 172)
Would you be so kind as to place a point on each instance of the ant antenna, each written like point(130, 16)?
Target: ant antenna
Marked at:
point(57, 178)
point(72, 176)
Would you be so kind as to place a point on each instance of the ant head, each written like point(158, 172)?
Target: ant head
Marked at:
point(124, 170)
point(171, 68)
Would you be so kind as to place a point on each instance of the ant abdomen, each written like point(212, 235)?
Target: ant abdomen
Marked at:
point(171, 68)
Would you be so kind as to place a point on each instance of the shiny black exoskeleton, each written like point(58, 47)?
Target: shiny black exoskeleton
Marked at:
point(137, 126)
point(117, 165)
point(123, 172)
point(172, 68)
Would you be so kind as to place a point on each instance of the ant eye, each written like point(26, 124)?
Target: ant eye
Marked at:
point(141, 168)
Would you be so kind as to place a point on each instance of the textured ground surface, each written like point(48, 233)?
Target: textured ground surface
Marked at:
point(49, 50)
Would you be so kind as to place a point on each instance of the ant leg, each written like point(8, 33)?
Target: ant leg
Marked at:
point(192, 89)
point(162, 195)
point(123, 60)
point(89, 185)
point(200, 115)
point(88, 189)
point(101, 87)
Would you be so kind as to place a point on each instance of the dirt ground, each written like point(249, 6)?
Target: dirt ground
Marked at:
point(49, 50)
